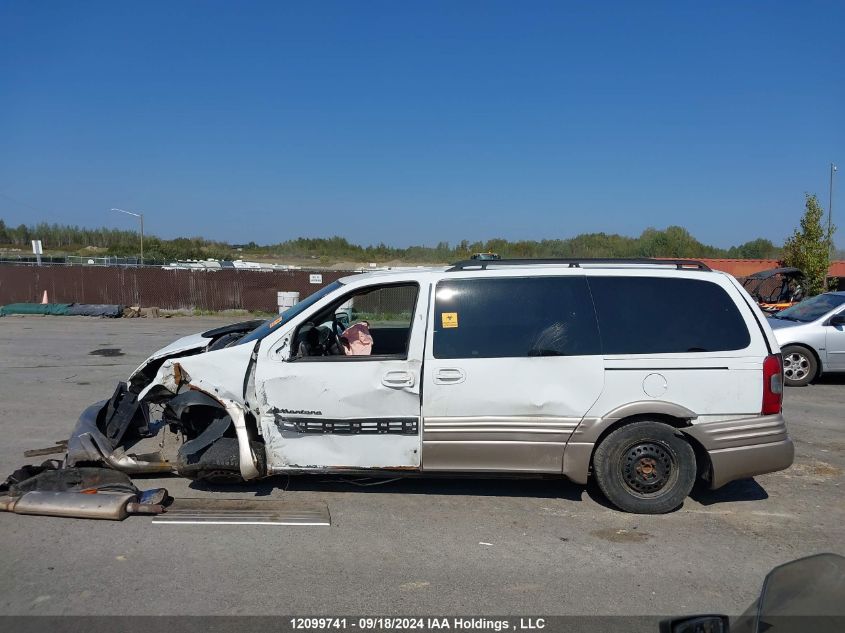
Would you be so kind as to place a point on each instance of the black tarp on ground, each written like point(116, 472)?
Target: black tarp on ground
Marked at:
point(95, 309)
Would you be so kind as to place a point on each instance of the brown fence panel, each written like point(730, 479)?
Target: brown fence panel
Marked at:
point(169, 289)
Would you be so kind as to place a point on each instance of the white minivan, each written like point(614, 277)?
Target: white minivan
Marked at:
point(643, 374)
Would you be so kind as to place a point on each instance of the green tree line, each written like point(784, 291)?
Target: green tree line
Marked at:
point(673, 241)
point(67, 239)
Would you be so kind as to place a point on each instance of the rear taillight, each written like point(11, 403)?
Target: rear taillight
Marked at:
point(772, 384)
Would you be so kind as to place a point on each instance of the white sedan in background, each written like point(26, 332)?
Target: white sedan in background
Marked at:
point(811, 335)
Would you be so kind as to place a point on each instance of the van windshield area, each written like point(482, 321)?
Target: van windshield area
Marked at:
point(812, 308)
point(273, 324)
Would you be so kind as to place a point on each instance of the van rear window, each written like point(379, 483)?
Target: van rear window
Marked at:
point(511, 317)
point(659, 315)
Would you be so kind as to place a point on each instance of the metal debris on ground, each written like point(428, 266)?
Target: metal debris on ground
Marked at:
point(78, 505)
point(82, 493)
point(194, 511)
point(60, 447)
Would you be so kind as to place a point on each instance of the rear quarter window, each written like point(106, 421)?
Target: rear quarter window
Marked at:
point(660, 315)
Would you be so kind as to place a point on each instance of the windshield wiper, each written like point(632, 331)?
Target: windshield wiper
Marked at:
point(786, 318)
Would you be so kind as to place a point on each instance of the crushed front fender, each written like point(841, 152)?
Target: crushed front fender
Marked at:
point(88, 444)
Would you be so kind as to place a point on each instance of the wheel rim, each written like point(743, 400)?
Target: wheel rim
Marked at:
point(796, 366)
point(648, 468)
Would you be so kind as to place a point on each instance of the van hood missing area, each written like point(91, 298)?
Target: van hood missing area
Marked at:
point(190, 345)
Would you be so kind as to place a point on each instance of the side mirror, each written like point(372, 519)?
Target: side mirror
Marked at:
point(837, 319)
point(282, 346)
point(696, 624)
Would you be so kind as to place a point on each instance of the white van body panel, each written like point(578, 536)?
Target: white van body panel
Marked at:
point(511, 414)
point(504, 414)
point(715, 385)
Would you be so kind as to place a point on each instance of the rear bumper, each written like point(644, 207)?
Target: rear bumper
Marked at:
point(729, 464)
point(745, 447)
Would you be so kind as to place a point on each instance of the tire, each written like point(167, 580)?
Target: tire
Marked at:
point(645, 468)
point(220, 463)
point(799, 366)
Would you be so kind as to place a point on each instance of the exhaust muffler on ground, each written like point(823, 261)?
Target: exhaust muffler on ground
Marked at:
point(79, 505)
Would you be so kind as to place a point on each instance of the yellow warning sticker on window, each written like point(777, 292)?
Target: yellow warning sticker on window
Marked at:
point(275, 322)
point(450, 319)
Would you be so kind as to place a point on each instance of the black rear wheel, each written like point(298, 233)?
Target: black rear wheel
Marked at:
point(645, 468)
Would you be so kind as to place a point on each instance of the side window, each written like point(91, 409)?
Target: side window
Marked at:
point(659, 315)
point(375, 321)
point(514, 317)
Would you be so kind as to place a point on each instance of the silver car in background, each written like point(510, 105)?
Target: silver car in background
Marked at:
point(811, 335)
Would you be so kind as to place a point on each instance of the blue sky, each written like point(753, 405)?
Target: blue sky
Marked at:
point(414, 122)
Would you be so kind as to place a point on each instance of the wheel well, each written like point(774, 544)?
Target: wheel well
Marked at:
point(813, 352)
point(702, 459)
point(198, 409)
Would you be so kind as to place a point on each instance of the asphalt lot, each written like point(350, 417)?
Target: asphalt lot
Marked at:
point(414, 546)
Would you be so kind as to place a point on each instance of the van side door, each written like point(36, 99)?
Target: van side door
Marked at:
point(324, 409)
point(512, 365)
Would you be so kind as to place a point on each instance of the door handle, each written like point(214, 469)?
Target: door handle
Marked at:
point(398, 379)
point(449, 376)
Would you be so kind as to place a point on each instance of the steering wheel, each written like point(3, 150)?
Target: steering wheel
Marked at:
point(329, 343)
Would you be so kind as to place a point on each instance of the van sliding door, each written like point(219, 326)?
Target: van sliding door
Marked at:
point(512, 365)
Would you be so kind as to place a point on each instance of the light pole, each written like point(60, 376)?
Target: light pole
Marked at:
point(833, 169)
point(140, 216)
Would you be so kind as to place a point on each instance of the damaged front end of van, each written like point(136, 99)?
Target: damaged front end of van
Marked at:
point(170, 417)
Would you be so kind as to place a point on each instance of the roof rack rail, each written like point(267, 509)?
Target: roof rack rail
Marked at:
point(477, 264)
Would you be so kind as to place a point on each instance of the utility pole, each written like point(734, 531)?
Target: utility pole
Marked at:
point(140, 216)
point(833, 170)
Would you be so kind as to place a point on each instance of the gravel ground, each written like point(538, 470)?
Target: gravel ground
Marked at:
point(414, 546)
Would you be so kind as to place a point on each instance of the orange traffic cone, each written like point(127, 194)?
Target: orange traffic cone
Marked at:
point(44, 298)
